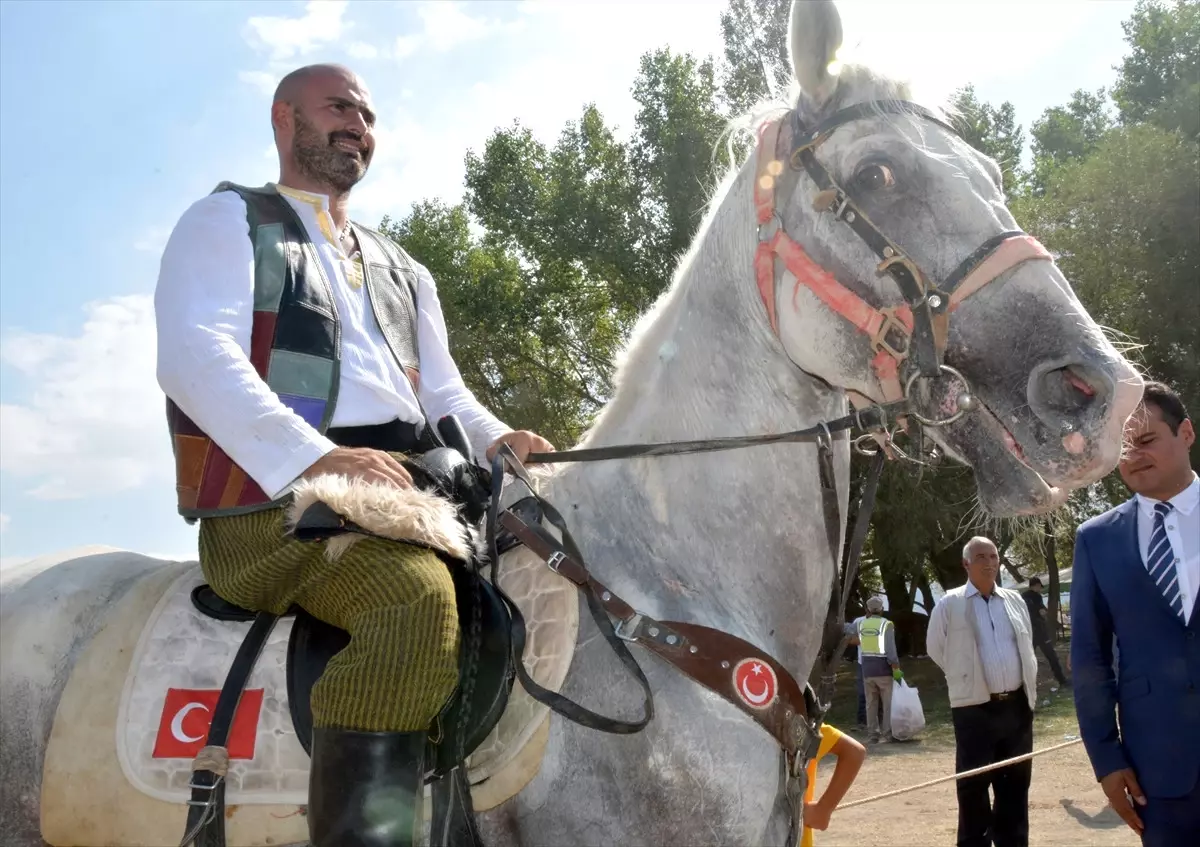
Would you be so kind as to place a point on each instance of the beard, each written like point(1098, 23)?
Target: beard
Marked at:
point(319, 160)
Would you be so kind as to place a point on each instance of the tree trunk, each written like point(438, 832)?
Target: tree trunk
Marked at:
point(1011, 568)
point(947, 565)
point(1002, 543)
point(1052, 589)
point(897, 593)
point(926, 594)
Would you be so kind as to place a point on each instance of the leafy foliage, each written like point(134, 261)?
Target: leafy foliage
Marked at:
point(992, 131)
point(506, 335)
point(1159, 81)
point(1067, 133)
point(755, 33)
point(674, 152)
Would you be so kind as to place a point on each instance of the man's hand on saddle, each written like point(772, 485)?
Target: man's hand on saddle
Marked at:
point(361, 463)
point(522, 442)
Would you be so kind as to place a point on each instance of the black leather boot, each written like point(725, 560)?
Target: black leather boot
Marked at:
point(366, 789)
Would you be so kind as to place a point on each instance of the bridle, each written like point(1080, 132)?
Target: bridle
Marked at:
point(909, 337)
point(908, 342)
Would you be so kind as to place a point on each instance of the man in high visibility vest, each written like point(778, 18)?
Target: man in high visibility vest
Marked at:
point(880, 665)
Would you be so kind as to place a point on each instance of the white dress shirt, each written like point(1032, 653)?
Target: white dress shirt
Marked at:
point(204, 312)
point(997, 641)
point(1183, 533)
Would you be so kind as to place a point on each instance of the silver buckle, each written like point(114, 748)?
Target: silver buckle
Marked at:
point(213, 787)
point(626, 626)
point(555, 560)
point(767, 231)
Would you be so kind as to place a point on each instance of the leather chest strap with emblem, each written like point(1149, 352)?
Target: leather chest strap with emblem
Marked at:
point(725, 664)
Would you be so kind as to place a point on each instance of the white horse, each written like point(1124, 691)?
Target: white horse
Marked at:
point(734, 540)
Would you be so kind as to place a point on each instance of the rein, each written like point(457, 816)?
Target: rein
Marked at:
point(871, 419)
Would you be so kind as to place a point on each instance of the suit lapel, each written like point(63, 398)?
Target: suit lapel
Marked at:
point(1127, 527)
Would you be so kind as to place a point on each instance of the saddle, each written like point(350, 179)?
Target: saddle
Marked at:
point(486, 660)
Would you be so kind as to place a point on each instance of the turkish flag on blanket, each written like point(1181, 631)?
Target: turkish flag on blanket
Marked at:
point(187, 714)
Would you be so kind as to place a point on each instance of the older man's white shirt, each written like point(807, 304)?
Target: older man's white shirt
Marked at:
point(997, 641)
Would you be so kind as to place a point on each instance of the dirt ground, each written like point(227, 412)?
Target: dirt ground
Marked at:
point(1066, 806)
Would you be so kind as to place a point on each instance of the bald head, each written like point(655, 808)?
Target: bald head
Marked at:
point(324, 129)
point(291, 87)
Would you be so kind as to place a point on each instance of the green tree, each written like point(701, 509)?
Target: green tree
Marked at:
point(992, 131)
point(1159, 81)
point(674, 155)
point(756, 64)
point(504, 329)
point(1068, 133)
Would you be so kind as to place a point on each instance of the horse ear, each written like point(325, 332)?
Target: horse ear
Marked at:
point(814, 36)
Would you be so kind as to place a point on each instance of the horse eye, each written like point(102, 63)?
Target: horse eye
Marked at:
point(875, 177)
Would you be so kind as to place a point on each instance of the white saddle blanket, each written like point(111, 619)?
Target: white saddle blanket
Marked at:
point(183, 656)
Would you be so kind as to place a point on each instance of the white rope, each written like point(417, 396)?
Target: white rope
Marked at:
point(963, 775)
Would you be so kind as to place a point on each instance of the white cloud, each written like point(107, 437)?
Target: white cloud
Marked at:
point(362, 50)
point(264, 81)
point(94, 422)
point(285, 38)
point(5, 520)
point(447, 25)
point(405, 46)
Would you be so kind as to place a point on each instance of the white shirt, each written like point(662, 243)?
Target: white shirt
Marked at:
point(1183, 533)
point(997, 641)
point(204, 312)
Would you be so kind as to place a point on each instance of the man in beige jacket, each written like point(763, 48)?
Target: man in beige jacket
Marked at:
point(980, 636)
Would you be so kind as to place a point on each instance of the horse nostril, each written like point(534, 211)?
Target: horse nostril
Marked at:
point(1066, 397)
point(1073, 379)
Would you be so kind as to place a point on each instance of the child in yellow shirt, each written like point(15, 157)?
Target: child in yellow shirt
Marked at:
point(850, 755)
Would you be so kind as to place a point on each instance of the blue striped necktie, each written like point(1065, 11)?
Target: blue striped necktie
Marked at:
point(1160, 561)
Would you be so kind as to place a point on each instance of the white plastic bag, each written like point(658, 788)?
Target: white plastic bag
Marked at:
point(908, 718)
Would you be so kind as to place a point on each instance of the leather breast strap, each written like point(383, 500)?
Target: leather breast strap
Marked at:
point(701, 653)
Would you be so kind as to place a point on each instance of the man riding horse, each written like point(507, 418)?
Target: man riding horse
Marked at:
point(293, 345)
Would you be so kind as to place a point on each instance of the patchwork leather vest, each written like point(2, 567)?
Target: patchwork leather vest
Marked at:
point(295, 344)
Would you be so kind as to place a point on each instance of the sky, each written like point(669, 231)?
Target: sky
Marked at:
point(115, 117)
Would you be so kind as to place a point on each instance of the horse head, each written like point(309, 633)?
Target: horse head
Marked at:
point(891, 266)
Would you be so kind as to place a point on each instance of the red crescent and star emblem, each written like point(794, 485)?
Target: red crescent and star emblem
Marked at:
point(186, 715)
point(755, 683)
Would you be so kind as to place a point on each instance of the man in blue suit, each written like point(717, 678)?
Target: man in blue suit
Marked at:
point(1137, 578)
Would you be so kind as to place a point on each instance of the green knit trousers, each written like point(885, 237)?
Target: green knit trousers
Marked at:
point(395, 600)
